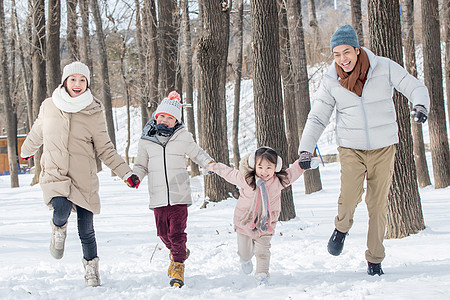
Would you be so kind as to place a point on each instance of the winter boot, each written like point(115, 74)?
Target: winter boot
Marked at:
point(374, 269)
point(177, 275)
point(170, 270)
point(247, 266)
point(58, 240)
point(92, 276)
point(262, 278)
point(336, 242)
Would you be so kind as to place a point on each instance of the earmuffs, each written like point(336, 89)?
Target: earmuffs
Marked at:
point(251, 159)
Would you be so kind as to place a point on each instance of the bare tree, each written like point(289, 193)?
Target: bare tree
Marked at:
point(167, 46)
point(72, 27)
point(11, 129)
point(303, 102)
point(314, 24)
point(212, 48)
point(410, 64)
point(405, 210)
point(357, 20)
point(269, 119)
point(447, 52)
point(38, 65)
point(287, 75)
point(52, 46)
point(186, 68)
point(238, 41)
point(106, 89)
point(432, 68)
point(85, 47)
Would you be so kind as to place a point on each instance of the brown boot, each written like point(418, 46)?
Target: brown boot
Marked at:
point(177, 275)
point(58, 240)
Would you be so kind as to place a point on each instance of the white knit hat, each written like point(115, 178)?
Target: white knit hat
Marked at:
point(170, 106)
point(76, 68)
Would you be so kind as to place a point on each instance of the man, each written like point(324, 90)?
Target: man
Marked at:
point(359, 85)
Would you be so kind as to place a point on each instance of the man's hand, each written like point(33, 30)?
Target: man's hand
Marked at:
point(133, 181)
point(420, 114)
point(305, 160)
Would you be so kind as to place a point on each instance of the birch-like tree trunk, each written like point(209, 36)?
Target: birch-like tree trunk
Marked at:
point(423, 176)
point(405, 210)
point(432, 69)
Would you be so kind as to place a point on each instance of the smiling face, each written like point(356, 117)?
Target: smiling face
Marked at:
point(76, 84)
point(167, 120)
point(346, 57)
point(264, 168)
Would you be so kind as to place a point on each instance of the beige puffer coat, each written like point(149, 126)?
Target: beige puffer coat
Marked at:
point(68, 160)
point(165, 166)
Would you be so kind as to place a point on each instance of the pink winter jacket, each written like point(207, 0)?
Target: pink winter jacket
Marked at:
point(247, 194)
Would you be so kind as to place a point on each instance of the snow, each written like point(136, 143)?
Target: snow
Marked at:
point(133, 261)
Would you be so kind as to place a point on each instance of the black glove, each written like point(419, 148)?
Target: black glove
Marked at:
point(133, 181)
point(420, 114)
point(305, 160)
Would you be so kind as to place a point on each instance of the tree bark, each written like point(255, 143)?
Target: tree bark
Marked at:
point(357, 20)
point(52, 47)
point(298, 54)
point(314, 24)
point(447, 53)
point(432, 68)
point(11, 128)
point(423, 176)
point(86, 52)
point(167, 46)
point(268, 100)
point(289, 96)
point(405, 210)
point(106, 89)
point(212, 48)
point(72, 27)
point(38, 66)
point(238, 40)
point(186, 68)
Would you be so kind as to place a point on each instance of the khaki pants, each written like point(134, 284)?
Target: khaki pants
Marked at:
point(377, 167)
point(260, 247)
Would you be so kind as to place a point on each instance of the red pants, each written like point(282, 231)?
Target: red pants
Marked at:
point(170, 226)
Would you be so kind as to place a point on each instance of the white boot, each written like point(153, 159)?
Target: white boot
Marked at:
point(92, 276)
point(247, 266)
point(262, 279)
point(58, 240)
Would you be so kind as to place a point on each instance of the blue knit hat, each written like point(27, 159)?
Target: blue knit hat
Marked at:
point(345, 35)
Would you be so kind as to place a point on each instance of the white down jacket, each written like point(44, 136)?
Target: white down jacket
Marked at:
point(368, 122)
point(165, 165)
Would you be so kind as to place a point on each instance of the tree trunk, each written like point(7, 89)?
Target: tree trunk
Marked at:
point(314, 25)
point(238, 40)
point(106, 90)
point(288, 86)
point(11, 129)
point(72, 27)
point(447, 54)
point(38, 65)
point(357, 20)
point(52, 46)
point(269, 119)
point(198, 82)
point(212, 48)
point(405, 210)
point(86, 53)
point(423, 176)
point(167, 46)
point(186, 67)
point(432, 68)
point(298, 54)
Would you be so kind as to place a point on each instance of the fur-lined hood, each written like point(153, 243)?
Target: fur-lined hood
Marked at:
point(244, 168)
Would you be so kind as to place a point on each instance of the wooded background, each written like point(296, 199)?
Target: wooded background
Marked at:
point(140, 50)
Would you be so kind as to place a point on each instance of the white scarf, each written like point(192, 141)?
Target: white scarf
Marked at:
point(66, 103)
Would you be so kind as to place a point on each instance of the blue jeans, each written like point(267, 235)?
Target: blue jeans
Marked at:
point(62, 208)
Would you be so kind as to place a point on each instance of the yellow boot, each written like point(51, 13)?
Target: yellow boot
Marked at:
point(170, 270)
point(177, 275)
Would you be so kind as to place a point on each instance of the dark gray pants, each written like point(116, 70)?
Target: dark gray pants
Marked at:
point(62, 208)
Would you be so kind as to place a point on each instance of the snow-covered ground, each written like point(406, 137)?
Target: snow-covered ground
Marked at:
point(133, 261)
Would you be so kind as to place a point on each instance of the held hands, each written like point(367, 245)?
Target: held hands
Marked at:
point(420, 114)
point(133, 181)
point(307, 161)
point(27, 158)
point(207, 169)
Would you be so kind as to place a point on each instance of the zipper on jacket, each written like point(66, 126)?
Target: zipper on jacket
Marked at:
point(165, 173)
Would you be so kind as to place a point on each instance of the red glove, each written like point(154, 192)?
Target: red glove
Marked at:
point(27, 158)
point(133, 181)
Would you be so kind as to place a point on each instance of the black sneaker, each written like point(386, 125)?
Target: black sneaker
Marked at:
point(374, 269)
point(336, 242)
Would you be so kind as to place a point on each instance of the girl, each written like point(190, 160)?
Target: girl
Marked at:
point(162, 152)
point(261, 179)
point(71, 126)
